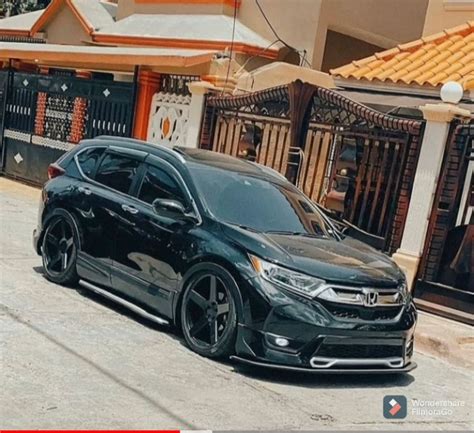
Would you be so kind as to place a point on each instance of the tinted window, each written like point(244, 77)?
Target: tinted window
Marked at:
point(117, 172)
point(256, 203)
point(159, 184)
point(89, 159)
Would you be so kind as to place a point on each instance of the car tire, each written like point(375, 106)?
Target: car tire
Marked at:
point(59, 249)
point(209, 312)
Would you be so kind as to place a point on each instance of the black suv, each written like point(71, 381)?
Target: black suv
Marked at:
point(227, 250)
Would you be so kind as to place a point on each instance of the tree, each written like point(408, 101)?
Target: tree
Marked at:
point(16, 7)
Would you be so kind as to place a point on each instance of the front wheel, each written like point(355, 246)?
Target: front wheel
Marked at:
point(208, 313)
point(59, 249)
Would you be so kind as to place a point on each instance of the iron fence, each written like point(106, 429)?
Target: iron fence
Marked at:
point(46, 115)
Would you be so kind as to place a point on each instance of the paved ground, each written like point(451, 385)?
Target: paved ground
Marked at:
point(69, 360)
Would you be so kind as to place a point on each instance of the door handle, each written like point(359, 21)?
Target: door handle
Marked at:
point(84, 190)
point(129, 209)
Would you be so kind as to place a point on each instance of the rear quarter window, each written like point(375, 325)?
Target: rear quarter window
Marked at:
point(88, 160)
point(117, 172)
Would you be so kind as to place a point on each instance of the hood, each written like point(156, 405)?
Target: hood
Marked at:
point(345, 262)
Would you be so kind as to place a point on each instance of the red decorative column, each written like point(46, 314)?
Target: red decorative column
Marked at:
point(78, 120)
point(79, 112)
point(148, 85)
point(40, 113)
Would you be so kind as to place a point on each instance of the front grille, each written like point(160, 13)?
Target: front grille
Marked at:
point(345, 313)
point(361, 313)
point(371, 297)
point(359, 351)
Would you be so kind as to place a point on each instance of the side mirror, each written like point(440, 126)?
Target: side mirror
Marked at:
point(171, 206)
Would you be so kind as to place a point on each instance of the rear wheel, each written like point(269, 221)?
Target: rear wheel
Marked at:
point(59, 250)
point(208, 313)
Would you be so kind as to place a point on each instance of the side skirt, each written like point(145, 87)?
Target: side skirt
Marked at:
point(132, 307)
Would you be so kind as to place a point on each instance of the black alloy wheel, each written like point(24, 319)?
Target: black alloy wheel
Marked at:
point(59, 250)
point(208, 314)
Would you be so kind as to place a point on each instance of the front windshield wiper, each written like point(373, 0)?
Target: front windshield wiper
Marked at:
point(244, 227)
point(305, 234)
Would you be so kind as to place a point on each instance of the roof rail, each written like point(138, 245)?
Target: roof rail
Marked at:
point(165, 149)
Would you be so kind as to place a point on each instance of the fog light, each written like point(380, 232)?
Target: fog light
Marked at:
point(282, 342)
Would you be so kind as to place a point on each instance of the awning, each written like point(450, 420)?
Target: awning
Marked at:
point(111, 58)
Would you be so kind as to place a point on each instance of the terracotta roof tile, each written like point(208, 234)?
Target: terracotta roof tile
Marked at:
point(399, 74)
point(468, 83)
point(454, 77)
point(424, 77)
point(415, 65)
point(431, 60)
point(437, 78)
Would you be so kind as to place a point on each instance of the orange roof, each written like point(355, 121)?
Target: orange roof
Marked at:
point(429, 61)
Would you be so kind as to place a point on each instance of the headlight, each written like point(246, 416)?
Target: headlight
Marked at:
point(290, 280)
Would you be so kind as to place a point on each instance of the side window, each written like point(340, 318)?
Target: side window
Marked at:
point(159, 184)
point(89, 158)
point(117, 172)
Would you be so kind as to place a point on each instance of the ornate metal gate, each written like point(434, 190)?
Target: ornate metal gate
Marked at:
point(357, 161)
point(169, 111)
point(45, 116)
point(446, 274)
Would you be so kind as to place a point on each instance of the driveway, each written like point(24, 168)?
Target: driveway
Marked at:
point(68, 359)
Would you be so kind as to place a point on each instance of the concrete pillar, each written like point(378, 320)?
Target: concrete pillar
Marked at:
point(438, 118)
point(198, 90)
point(148, 85)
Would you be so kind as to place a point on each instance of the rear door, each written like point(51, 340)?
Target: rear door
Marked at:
point(101, 195)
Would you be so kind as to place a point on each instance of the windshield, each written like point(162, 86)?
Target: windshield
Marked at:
point(255, 203)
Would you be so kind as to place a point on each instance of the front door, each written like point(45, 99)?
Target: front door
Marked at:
point(150, 244)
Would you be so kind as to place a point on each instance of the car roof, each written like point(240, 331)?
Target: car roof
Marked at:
point(181, 155)
point(229, 163)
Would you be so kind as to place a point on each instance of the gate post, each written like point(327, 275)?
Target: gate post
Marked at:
point(148, 85)
point(438, 118)
point(300, 96)
point(198, 90)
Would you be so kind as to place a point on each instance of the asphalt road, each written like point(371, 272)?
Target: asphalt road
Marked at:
point(70, 360)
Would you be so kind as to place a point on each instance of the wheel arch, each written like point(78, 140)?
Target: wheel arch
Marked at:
point(201, 264)
point(60, 211)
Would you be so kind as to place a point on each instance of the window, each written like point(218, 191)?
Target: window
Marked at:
point(117, 172)
point(88, 160)
point(159, 184)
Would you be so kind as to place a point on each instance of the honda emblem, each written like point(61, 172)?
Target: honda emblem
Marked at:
point(371, 298)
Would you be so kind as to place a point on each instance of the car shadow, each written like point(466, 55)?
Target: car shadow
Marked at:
point(39, 269)
point(323, 380)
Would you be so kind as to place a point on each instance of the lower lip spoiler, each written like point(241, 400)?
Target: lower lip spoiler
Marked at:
point(319, 362)
point(407, 368)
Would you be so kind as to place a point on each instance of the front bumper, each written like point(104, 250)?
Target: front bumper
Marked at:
point(299, 334)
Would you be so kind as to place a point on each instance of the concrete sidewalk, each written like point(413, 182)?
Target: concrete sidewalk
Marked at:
point(443, 338)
